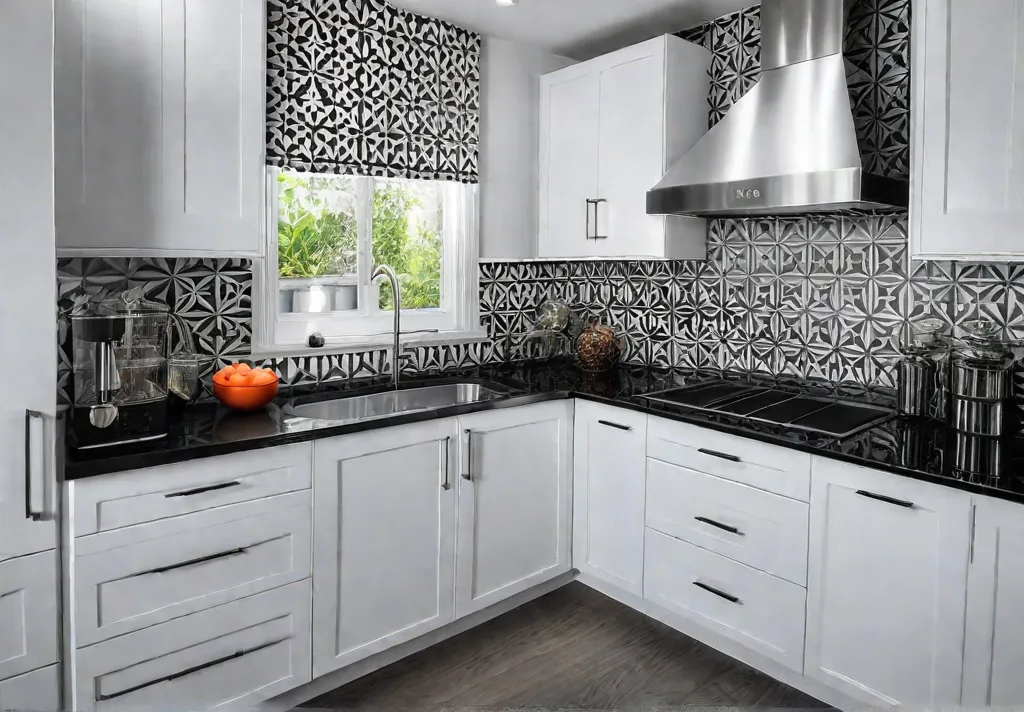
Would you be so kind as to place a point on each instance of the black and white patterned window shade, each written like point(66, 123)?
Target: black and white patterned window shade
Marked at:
point(362, 87)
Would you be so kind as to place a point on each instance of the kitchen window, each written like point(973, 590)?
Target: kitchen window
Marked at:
point(326, 232)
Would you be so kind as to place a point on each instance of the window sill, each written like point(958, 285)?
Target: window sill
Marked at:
point(375, 342)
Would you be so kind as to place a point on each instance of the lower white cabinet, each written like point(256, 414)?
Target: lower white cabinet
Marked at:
point(28, 613)
point(755, 609)
point(384, 540)
point(609, 462)
point(240, 653)
point(36, 690)
point(515, 502)
point(994, 649)
point(887, 575)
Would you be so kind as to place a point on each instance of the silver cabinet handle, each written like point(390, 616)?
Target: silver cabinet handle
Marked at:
point(468, 470)
point(596, 202)
point(35, 493)
point(446, 483)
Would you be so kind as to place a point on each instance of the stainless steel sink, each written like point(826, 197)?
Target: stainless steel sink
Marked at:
point(390, 403)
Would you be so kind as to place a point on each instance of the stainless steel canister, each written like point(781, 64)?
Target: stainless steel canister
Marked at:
point(981, 393)
point(916, 379)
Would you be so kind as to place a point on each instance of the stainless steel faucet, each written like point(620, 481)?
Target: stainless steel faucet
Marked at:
point(380, 273)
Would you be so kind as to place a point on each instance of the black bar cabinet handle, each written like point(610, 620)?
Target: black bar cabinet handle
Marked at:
point(722, 455)
point(720, 594)
point(725, 527)
point(614, 425)
point(194, 562)
point(201, 490)
point(887, 500)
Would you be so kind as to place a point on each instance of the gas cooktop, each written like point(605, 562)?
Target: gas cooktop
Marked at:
point(779, 406)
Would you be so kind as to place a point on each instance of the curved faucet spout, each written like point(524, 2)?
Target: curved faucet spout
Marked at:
point(380, 273)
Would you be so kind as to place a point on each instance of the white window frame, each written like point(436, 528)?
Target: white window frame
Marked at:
point(457, 319)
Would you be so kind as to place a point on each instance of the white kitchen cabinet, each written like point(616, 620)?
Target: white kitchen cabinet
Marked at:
point(610, 129)
point(887, 576)
point(994, 649)
point(36, 690)
point(515, 502)
point(28, 341)
point(28, 613)
point(609, 464)
point(159, 126)
point(968, 141)
point(384, 539)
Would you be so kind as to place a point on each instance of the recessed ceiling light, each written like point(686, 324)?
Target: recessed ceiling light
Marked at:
point(507, 3)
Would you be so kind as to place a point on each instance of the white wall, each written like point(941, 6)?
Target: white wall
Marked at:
point(510, 146)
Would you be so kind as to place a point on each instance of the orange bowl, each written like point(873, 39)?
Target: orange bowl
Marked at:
point(245, 397)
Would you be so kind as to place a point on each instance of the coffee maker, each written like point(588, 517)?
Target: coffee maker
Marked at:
point(120, 382)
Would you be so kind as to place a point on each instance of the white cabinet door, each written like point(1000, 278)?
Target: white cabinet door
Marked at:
point(608, 494)
point(160, 113)
point(570, 102)
point(631, 152)
point(36, 690)
point(968, 157)
point(28, 340)
point(887, 575)
point(515, 502)
point(28, 613)
point(994, 650)
point(383, 541)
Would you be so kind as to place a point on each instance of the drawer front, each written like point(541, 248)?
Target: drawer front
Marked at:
point(751, 526)
point(127, 498)
point(36, 690)
point(132, 578)
point(239, 653)
point(28, 613)
point(767, 615)
point(767, 467)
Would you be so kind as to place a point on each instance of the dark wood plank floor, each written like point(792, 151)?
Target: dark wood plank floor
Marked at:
point(573, 648)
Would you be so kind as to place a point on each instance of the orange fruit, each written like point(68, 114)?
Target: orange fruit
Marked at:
point(237, 379)
point(242, 368)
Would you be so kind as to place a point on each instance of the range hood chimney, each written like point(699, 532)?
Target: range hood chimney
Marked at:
point(788, 146)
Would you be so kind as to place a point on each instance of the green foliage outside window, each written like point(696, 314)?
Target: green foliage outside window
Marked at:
point(318, 237)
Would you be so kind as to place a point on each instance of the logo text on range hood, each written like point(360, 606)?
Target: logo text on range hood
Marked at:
point(789, 146)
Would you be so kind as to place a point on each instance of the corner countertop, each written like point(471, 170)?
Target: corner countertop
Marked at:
point(915, 448)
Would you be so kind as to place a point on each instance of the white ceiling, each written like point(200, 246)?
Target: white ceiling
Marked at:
point(579, 29)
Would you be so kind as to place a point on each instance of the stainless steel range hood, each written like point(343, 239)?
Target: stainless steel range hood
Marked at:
point(789, 145)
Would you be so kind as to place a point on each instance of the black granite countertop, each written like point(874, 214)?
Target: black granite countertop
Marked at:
point(915, 448)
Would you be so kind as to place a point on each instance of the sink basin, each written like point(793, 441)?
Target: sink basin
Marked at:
point(389, 403)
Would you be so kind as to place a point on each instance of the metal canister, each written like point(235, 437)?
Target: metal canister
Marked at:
point(916, 380)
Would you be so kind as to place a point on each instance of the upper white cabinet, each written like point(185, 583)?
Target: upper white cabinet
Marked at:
point(610, 129)
point(384, 540)
point(515, 502)
point(159, 126)
point(887, 574)
point(609, 466)
point(968, 139)
point(994, 649)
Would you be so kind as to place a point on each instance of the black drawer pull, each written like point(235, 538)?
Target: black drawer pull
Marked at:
point(201, 490)
point(887, 500)
point(715, 453)
point(720, 594)
point(724, 527)
point(194, 562)
point(614, 425)
point(184, 673)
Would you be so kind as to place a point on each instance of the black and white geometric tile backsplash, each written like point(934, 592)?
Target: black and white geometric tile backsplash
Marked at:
point(809, 297)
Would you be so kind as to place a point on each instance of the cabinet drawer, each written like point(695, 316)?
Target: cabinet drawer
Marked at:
point(139, 496)
point(28, 613)
point(751, 526)
point(242, 652)
point(760, 611)
point(139, 576)
point(767, 467)
point(36, 690)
